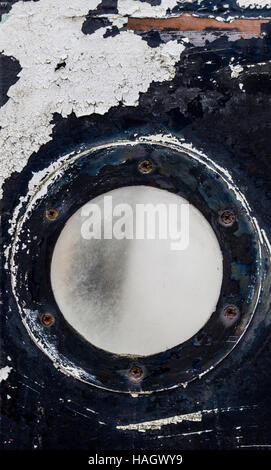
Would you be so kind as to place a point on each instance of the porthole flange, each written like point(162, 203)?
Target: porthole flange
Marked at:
point(98, 171)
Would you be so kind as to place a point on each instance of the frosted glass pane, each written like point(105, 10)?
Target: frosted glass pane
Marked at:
point(136, 296)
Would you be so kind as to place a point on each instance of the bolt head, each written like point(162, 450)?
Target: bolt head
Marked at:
point(227, 218)
point(135, 374)
point(230, 312)
point(47, 319)
point(51, 214)
point(145, 166)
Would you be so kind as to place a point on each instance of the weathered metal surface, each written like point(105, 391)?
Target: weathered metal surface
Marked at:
point(214, 96)
point(99, 171)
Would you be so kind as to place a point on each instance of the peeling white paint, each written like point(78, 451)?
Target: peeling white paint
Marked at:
point(267, 242)
point(139, 9)
point(92, 411)
point(184, 434)
point(4, 373)
point(99, 73)
point(254, 4)
point(257, 64)
point(236, 70)
point(196, 416)
point(255, 445)
point(158, 423)
point(197, 432)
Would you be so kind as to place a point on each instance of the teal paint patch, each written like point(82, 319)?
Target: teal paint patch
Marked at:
point(4, 18)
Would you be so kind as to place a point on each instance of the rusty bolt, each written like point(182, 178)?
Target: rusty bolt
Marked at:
point(227, 218)
point(47, 319)
point(230, 312)
point(135, 374)
point(51, 214)
point(145, 166)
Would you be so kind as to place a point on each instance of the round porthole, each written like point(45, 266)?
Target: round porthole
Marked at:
point(129, 313)
point(131, 295)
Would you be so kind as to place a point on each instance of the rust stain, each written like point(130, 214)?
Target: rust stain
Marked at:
point(187, 22)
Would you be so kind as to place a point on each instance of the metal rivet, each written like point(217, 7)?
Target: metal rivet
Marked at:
point(145, 166)
point(227, 218)
point(51, 214)
point(47, 319)
point(230, 312)
point(135, 374)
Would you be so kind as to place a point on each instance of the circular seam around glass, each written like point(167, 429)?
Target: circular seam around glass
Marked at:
point(137, 296)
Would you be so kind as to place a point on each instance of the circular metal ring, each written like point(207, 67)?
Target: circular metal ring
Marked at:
point(98, 171)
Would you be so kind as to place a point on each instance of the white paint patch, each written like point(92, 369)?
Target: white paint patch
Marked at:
point(254, 4)
point(236, 70)
point(139, 9)
point(4, 373)
point(99, 72)
point(267, 242)
point(158, 423)
point(197, 416)
point(255, 445)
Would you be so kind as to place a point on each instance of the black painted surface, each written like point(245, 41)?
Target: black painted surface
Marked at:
point(91, 25)
point(9, 69)
point(50, 410)
point(106, 7)
point(152, 2)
